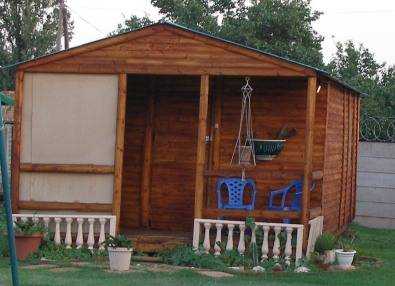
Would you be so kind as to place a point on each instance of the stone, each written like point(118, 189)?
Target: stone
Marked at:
point(278, 268)
point(302, 269)
point(215, 274)
point(258, 269)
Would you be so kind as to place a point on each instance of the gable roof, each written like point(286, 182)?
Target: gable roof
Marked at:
point(124, 37)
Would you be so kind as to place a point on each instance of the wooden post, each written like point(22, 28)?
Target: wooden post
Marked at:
point(146, 173)
point(201, 148)
point(119, 146)
point(308, 155)
point(16, 140)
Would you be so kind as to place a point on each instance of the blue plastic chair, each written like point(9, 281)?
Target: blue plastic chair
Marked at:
point(295, 204)
point(235, 188)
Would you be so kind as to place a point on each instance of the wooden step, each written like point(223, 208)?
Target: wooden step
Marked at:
point(156, 241)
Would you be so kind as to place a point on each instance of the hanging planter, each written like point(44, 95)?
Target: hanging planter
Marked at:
point(266, 150)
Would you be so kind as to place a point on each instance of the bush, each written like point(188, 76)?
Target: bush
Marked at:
point(186, 256)
point(3, 234)
point(325, 241)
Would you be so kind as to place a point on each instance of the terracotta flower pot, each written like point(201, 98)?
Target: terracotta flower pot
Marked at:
point(27, 244)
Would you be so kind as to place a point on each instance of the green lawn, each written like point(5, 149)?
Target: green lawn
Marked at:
point(378, 243)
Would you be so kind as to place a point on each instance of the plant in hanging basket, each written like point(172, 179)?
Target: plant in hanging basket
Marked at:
point(268, 149)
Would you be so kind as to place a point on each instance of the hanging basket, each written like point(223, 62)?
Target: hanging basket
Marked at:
point(266, 150)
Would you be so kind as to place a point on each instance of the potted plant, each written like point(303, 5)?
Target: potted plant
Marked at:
point(325, 245)
point(28, 237)
point(268, 149)
point(119, 252)
point(345, 255)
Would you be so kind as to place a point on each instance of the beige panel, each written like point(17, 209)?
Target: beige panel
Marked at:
point(73, 119)
point(52, 187)
point(26, 140)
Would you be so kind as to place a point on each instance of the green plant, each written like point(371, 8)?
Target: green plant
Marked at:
point(285, 133)
point(347, 246)
point(3, 234)
point(252, 251)
point(324, 242)
point(117, 241)
point(30, 227)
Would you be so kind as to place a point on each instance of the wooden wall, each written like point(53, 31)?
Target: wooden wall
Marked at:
point(341, 151)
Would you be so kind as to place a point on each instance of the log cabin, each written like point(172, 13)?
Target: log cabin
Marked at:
point(141, 126)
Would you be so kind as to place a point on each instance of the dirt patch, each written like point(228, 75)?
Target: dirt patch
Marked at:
point(38, 266)
point(215, 274)
point(159, 267)
point(62, 269)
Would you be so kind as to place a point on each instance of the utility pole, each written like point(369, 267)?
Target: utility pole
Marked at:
point(62, 28)
point(59, 33)
point(64, 23)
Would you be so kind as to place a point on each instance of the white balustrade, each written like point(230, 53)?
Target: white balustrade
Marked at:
point(316, 227)
point(218, 239)
point(290, 231)
point(97, 225)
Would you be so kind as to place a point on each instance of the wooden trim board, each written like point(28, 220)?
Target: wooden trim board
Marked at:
point(16, 140)
point(62, 206)
point(67, 168)
point(119, 146)
point(201, 145)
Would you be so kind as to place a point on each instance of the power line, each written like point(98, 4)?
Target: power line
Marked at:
point(86, 21)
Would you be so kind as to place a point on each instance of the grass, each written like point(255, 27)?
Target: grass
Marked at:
point(377, 243)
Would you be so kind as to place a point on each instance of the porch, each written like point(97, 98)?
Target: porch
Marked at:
point(179, 137)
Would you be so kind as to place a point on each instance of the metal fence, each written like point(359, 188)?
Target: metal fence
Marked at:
point(377, 129)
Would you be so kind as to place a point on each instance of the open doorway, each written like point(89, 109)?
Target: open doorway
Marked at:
point(159, 176)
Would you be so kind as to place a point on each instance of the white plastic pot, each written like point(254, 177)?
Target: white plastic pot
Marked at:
point(119, 258)
point(345, 258)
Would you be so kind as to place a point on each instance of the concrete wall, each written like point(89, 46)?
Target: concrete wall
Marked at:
point(376, 185)
point(68, 119)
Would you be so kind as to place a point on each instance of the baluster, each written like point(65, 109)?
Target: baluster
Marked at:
point(206, 242)
point(46, 222)
point(288, 246)
point(218, 239)
point(68, 241)
point(102, 234)
point(276, 245)
point(57, 230)
point(80, 236)
point(241, 247)
point(35, 219)
point(14, 220)
point(196, 234)
point(229, 244)
point(23, 219)
point(265, 243)
point(91, 235)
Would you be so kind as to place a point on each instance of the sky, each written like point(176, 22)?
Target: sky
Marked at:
point(343, 20)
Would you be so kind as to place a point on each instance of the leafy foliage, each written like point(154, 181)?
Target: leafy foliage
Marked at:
point(29, 227)
point(326, 241)
point(117, 241)
point(3, 233)
point(357, 66)
point(28, 29)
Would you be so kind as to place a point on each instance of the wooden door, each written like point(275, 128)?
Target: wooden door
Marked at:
point(174, 152)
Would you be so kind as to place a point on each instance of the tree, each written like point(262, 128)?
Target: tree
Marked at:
point(358, 67)
point(28, 30)
point(282, 27)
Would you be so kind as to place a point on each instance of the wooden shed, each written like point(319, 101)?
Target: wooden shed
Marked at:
point(142, 124)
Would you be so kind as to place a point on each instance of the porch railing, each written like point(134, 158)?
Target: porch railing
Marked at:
point(269, 248)
point(316, 227)
point(89, 230)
